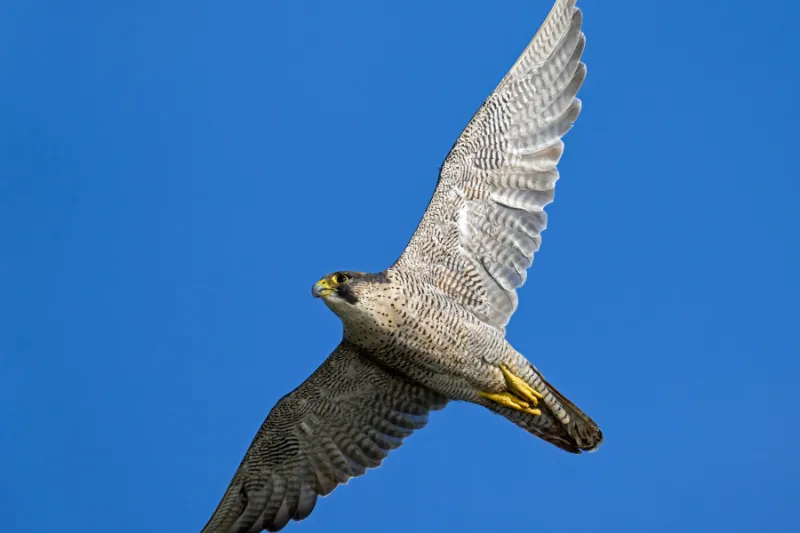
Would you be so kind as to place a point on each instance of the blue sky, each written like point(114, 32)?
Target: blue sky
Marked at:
point(174, 176)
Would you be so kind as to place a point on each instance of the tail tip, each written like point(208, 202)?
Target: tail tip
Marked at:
point(590, 441)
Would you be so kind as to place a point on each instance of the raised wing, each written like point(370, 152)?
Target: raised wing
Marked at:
point(484, 222)
point(342, 420)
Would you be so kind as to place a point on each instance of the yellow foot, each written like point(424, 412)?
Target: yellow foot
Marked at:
point(519, 387)
point(520, 396)
point(507, 399)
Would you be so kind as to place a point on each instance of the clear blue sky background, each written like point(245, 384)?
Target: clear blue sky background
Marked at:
point(174, 176)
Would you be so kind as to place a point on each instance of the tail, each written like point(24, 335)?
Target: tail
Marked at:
point(561, 422)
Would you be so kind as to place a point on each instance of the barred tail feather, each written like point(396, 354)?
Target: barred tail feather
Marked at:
point(561, 422)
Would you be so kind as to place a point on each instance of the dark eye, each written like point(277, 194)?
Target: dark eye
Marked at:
point(340, 279)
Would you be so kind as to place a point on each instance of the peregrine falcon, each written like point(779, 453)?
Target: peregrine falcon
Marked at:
point(431, 328)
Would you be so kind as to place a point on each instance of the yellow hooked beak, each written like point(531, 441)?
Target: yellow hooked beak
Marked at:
point(322, 288)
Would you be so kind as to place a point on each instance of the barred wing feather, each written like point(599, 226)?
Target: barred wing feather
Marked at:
point(484, 222)
point(341, 421)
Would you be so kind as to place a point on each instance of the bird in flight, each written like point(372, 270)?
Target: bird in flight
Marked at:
point(431, 328)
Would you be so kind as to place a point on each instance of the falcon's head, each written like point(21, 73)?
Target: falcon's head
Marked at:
point(342, 290)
